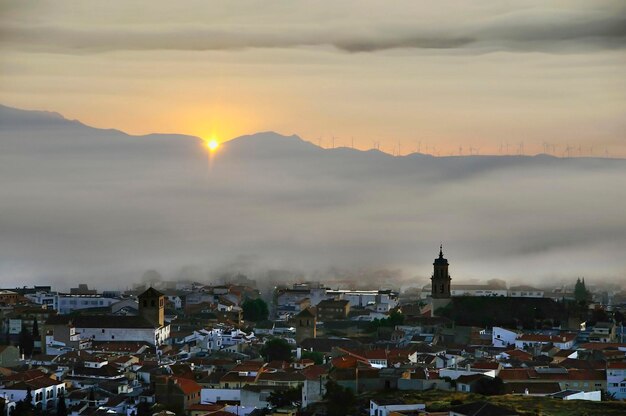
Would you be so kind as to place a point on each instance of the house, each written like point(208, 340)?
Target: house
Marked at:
point(578, 379)
point(179, 393)
point(381, 407)
point(593, 396)
point(477, 290)
point(44, 389)
point(502, 337)
point(525, 292)
point(563, 342)
point(9, 356)
point(603, 332)
point(616, 379)
point(314, 387)
point(467, 383)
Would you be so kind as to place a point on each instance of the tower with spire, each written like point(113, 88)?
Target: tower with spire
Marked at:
point(440, 278)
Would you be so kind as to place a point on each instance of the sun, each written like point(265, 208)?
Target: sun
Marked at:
point(212, 144)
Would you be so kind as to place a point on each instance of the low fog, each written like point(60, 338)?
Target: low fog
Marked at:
point(79, 204)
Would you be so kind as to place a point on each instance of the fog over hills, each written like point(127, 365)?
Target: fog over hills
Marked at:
point(79, 204)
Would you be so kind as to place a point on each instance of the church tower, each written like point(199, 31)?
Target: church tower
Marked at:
point(441, 278)
point(152, 307)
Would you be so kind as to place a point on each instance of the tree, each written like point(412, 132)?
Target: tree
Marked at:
point(316, 356)
point(61, 407)
point(339, 400)
point(25, 407)
point(581, 294)
point(395, 318)
point(143, 409)
point(255, 310)
point(35, 329)
point(27, 343)
point(276, 349)
point(290, 397)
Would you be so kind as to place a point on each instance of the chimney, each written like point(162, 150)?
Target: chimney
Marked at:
point(298, 353)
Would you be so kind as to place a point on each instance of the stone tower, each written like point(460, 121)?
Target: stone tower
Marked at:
point(152, 307)
point(441, 278)
point(306, 325)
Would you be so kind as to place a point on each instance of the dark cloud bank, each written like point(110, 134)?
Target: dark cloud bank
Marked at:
point(79, 204)
point(520, 31)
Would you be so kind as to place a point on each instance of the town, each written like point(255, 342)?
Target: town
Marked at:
point(313, 348)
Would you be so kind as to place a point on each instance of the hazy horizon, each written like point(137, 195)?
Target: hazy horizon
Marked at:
point(84, 205)
point(451, 77)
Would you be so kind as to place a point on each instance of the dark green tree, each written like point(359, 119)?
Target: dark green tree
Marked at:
point(581, 294)
point(340, 400)
point(92, 397)
point(26, 343)
point(61, 406)
point(284, 398)
point(255, 310)
point(276, 349)
point(35, 329)
point(317, 357)
point(25, 407)
point(143, 409)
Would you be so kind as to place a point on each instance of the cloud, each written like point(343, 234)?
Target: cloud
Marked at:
point(516, 31)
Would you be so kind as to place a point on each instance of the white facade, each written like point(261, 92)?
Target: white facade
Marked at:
point(313, 391)
point(215, 395)
point(44, 298)
point(153, 336)
point(501, 337)
point(525, 292)
point(477, 290)
point(561, 342)
point(67, 303)
point(592, 396)
point(454, 373)
point(384, 409)
point(42, 395)
point(616, 380)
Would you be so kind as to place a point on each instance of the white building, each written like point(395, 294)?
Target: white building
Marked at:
point(477, 290)
point(502, 338)
point(616, 379)
point(384, 407)
point(562, 342)
point(68, 303)
point(525, 292)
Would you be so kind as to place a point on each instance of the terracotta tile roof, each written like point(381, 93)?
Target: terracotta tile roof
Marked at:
point(619, 365)
point(314, 372)
point(187, 386)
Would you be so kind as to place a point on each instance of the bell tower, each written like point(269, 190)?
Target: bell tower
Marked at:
point(152, 306)
point(441, 278)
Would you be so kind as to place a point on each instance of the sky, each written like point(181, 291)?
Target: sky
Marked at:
point(445, 77)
